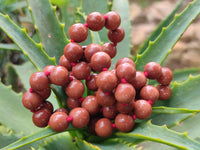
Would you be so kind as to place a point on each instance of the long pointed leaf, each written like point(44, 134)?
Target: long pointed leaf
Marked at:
point(161, 134)
point(50, 31)
point(168, 37)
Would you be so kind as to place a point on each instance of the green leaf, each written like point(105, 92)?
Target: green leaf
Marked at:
point(123, 48)
point(183, 74)
point(59, 2)
point(168, 37)
point(170, 110)
point(160, 134)
point(158, 30)
point(6, 136)
point(84, 145)
point(184, 95)
point(11, 47)
point(31, 49)
point(50, 31)
point(13, 114)
point(115, 143)
point(61, 141)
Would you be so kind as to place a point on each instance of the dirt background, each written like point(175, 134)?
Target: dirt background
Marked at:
point(146, 15)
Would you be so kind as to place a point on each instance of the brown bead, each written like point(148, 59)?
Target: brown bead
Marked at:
point(105, 99)
point(91, 82)
point(109, 111)
point(99, 61)
point(125, 60)
point(116, 35)
point(103, 127)
point(31, 100)
point(110, 49)
point(90, 50)
point(46, 104)
point(80, 116)
point(59, 76)
point(61, 110)
point(95, 21)
point(75, 89)
point(91, 105)
point(106, 81)
point(124, 122)
point(63, 61)
point(125, 93)
point(166, 76)
point(73, 52)
point(126, 71)
point(164, 92)
point(39, 81)
point(44, 93)
point(81, 70)
point(149, 92)
point(73, 103)
point(139, 81)
point(142, 109)
point(78, 32)
point(48, 68)
point(113, 20)
point(153, 70)
point(124, 108)
point(41, 117)
point(58, 121)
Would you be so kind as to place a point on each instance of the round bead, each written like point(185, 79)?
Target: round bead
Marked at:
point(73, 52)
point(166, 76)
point(95, 21)
point(125, 93)
point(80, 116)
point(90, 50)
point(81, 70)
point(124, 122)
point(105, 99)
point(149, 92)
point(113, 20)
point(58, 121)
point(110, 49)
point(59, 76)
point(116, 35)
point(139, 81)
point(99, 61)
point(164, 92)
point(103, 127)
point(63, 61)
point(78, 32)
point(39, 81)
point(142, 109)
point(75, 89)
point(106, 81)
point(91, 82)
point(73, 103)
point(153, 70)
point(41, 117)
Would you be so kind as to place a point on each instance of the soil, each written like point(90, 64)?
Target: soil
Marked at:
point(145, 16)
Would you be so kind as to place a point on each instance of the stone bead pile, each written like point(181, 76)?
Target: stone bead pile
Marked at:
point(118, 96)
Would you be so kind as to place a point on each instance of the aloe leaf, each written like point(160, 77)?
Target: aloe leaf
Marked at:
point(19, 118)
point(158, 30)
point(168, 37)
point(50, 31)
point(61, 141)
point(11, 77)
point(123, 47)
point(160, 134)
point(183, 74)
point(31, 49)
point(115, 143)
point(11, 47)
point(46, 132)
point(184, 95)
point(84, 145)
point(171, 110)
point(6, 136)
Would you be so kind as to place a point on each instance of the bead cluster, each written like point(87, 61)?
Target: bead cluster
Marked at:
point(119, 96)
